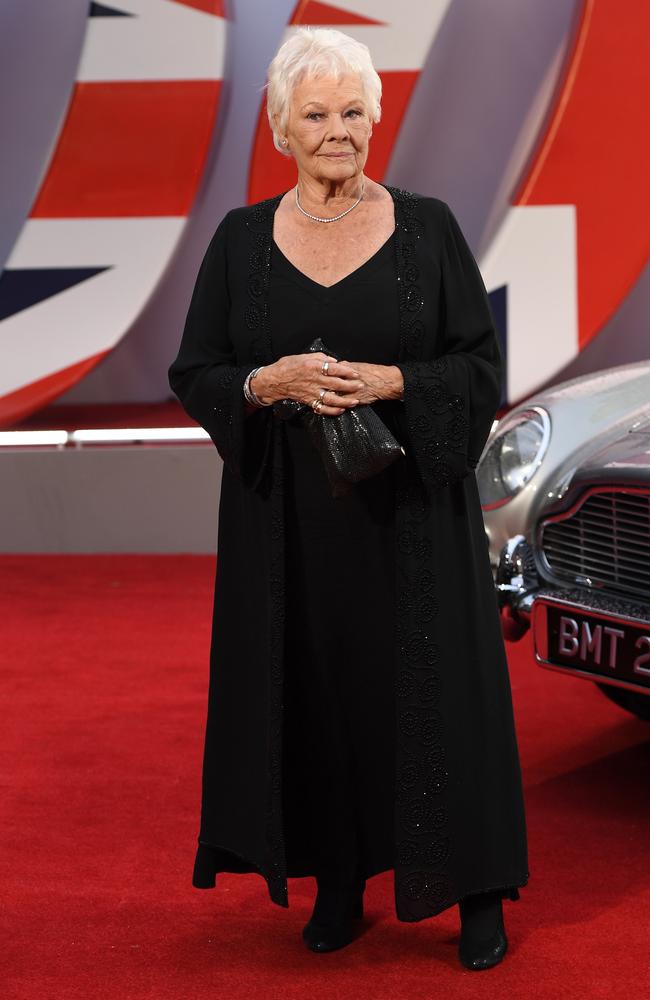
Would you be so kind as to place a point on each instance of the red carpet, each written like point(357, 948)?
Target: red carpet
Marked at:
point(104, 663)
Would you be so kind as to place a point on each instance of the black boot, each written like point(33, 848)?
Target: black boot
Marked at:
point(483, 941)
point(331, 923)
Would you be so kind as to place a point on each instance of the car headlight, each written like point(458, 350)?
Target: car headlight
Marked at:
point(513, 455)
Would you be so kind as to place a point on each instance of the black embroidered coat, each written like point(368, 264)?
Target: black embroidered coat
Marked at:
point(459, 811)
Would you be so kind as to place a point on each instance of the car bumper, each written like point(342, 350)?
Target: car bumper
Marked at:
point(598, 636)
point(516, 583)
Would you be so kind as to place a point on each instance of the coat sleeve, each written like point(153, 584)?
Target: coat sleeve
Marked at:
point(206, 379)
point(450, 402)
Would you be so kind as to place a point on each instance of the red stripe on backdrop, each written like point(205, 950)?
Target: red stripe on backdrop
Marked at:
point(271, 172)
point(594, 155)
point(130, 149)
point(312, 12)
point(20, 403)
point(209, 6)
point(73, 416)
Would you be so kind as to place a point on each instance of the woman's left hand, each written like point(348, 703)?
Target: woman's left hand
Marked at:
point(379, 381)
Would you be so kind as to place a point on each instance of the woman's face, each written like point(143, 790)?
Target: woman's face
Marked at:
point(329, 127)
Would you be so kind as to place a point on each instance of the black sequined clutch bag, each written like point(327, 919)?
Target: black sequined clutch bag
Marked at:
point(353, 446)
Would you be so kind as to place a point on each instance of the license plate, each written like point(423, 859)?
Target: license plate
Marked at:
point(593, 645)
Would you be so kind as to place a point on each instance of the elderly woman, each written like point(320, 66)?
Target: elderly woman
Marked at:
point(359, 712)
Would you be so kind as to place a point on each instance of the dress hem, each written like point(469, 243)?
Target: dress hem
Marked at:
point(206, 871)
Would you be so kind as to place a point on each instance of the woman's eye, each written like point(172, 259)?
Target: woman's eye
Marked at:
point(315, 115)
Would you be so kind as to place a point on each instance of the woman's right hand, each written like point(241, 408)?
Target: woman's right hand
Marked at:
point(300, 377)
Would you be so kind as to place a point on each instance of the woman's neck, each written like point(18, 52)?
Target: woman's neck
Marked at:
point(321, 192)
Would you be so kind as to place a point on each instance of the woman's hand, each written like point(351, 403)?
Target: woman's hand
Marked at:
point(300, 377)
point(379, 381)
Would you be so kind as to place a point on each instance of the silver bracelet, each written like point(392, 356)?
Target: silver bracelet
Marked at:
point(249, 393)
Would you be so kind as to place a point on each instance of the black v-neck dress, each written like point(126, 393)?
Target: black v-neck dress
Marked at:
point(338, 768)
point(455, 801)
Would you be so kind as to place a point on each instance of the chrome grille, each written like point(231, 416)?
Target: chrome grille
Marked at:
point(606, 538)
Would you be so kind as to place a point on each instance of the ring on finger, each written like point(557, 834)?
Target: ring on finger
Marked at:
point(316, 405)
point(322, 393)
point(325, 367)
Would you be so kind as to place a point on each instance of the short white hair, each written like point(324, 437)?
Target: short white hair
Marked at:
point(317, 52)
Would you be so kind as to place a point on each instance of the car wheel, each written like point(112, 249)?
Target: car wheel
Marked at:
point(638, 704)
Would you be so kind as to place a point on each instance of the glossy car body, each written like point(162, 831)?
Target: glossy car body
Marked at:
point(564, 480)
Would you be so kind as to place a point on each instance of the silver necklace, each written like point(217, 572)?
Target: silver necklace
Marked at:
point(334, 218)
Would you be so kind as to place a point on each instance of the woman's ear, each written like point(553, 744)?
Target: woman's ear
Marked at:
point(284, 142)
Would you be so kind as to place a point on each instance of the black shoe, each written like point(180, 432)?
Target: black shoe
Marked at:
point(483, 941)
point(331, 923)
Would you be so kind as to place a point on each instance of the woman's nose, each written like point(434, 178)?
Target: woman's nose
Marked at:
point(338, 128)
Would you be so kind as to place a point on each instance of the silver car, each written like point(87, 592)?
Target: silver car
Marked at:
point(564, 480)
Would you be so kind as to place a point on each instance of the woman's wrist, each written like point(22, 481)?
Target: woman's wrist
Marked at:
point(383, 381)
point(259, 384)
point(394, 382)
